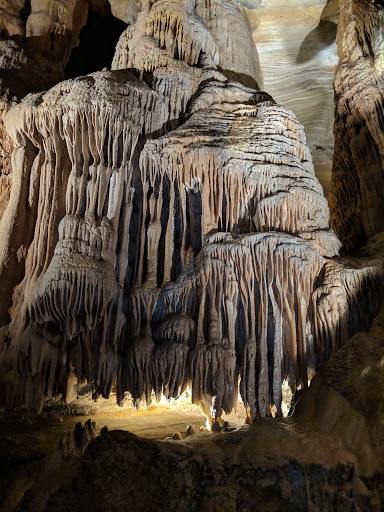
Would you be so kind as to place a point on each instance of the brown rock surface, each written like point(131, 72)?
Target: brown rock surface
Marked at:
point(162, 230)
point(275, 464)
point(357, 199)
point(11, 23)
point(115, 215)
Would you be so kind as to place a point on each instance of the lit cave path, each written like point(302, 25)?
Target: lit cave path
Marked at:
point(158, 421)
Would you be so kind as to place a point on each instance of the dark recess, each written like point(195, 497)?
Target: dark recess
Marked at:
point(25, 11)
point(98, 40)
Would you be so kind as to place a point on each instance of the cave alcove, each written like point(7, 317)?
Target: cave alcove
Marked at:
point(98, 40)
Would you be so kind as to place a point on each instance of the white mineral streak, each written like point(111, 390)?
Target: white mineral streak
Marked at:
point(177, 231)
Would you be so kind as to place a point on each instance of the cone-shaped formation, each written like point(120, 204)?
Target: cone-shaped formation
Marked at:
point(174, 229)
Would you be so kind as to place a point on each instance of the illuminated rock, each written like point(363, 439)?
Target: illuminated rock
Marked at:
point(296, 41)
point(165, 228)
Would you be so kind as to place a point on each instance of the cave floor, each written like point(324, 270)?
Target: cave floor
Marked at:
point(158, 421)
point(274, 462)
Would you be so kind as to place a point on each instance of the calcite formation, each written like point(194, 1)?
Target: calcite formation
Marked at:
point(36, 40)
point(357, 201)
point(165, 228)
point(10, 22)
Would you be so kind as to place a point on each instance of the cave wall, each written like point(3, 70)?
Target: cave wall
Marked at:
point(357, 199)
point(296, 42)
point(163, 224)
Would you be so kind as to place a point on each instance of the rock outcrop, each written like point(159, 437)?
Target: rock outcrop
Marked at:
point(165, 228)
point(356, 198)
point(318, 472)
point(296, 42)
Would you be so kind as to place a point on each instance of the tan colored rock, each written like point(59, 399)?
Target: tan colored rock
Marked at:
point(126, 10)
point(346, 397)
point(173, 230)
point(53, 27)
point(270, 177)
point(6, 148)
point(189, 31)
point(11, 24)
point(165, 231)
point(296, 42)
point(33, 63)
point(357, 201)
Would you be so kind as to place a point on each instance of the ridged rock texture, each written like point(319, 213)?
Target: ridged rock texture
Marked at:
point(357, 199)
point(36, 40)
point(296, 41)
point(165, 228)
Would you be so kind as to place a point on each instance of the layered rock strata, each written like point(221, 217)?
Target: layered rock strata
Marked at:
point(296, 42)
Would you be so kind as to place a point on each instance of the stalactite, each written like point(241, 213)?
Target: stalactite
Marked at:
point(346, 301)
point(170, 357)
point(242, 189)
point(83, 174)
point(178, 235)
point(280, 273)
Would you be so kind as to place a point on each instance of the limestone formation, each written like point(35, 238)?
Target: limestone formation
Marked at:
point(11, 24)
point(164, 238)
point(165, 227)
point(296, 41)
point(126, 11)
point(357, 200)
point(34, 49)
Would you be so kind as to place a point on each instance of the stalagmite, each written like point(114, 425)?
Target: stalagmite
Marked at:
point(174, 232)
